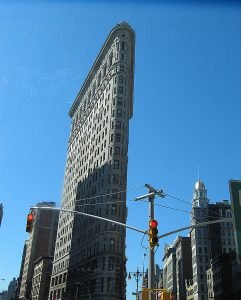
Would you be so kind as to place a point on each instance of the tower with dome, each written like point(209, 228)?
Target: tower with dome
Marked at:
point(208, 242)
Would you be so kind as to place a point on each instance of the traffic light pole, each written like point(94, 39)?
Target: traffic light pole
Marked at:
point(151, 268)
point(88, 215)
point(151, 197)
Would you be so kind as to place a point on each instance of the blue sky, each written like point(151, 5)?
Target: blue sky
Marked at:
point(187, 107)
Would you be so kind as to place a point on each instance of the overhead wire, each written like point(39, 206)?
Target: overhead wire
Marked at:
point(136, 188)
point(169, 207)
point(109, 194)
point(181, 200)
point(100, 203)
point(215, 216)
point(176, 198)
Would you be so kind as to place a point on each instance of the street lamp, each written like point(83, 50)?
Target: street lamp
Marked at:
point(137, 275)
point(77, 290)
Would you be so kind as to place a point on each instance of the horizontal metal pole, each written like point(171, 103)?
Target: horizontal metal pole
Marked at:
point(88, 215)
point(195, 226)
point(144, 196)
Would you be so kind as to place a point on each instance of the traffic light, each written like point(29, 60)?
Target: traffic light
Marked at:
point(165, 295)
point(153, 231)
point(30, 220)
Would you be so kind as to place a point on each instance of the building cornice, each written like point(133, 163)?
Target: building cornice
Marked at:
point(42, 258)
point(112, 35)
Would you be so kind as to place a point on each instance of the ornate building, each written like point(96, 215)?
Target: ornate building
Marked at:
point(200, 241)
point(89, 253)
point(208, 241)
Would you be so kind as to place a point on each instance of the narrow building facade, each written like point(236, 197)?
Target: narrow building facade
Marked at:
point(41, 243)
point(201, 254)
point(41, 277)
point(12, 289)
point(90, 253)
point(177, 267)
point(209, 241)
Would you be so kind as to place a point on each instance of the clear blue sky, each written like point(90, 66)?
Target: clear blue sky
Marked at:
point(187, 107)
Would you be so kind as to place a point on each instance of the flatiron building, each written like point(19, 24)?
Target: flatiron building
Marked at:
point(90, 253)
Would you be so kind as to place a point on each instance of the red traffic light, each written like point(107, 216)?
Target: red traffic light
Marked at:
point(30, 217)
point(30, 220)
point(153, 223)
point(153, 231)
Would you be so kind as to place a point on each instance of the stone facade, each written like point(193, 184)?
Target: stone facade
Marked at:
point(90, 253)
point(208, 241)
point(224, 278)
point(12, 289)
point(21, 269)
point(3, 295)
point(169, 269)
point(177, 267)
point(41, 277)
point(41, 243)
point(209, 245)
point(200, 241)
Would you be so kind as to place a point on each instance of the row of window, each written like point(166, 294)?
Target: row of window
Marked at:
point(60, 266)
point(58, 279)
point(87, 100)
point(109, 245)
point(92, 127)
point(96, 153)
point(118, 126)
point(103, 285)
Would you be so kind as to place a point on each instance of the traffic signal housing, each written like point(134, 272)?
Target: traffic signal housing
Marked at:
point(153, 231)
point(30, 220)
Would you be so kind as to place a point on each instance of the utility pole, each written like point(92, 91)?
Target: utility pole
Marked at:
point(151, 268)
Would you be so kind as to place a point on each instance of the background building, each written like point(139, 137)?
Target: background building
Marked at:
point(89, 251)
point(12, 289)
point(3, 295)
point(41, 277)
point(41, 243)
point(19, 280)
point(169, 269)
point(200, 241)
point(158, 277)
point(177, 267)
point(203, 266)
point(189, 289)
point(208, 241)
point(183, 264)
point(224, 277)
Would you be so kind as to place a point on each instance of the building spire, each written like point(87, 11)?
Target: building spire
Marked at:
point(198, 171)
point(200, 194)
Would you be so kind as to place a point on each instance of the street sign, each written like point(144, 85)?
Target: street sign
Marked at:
point(235, 196)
